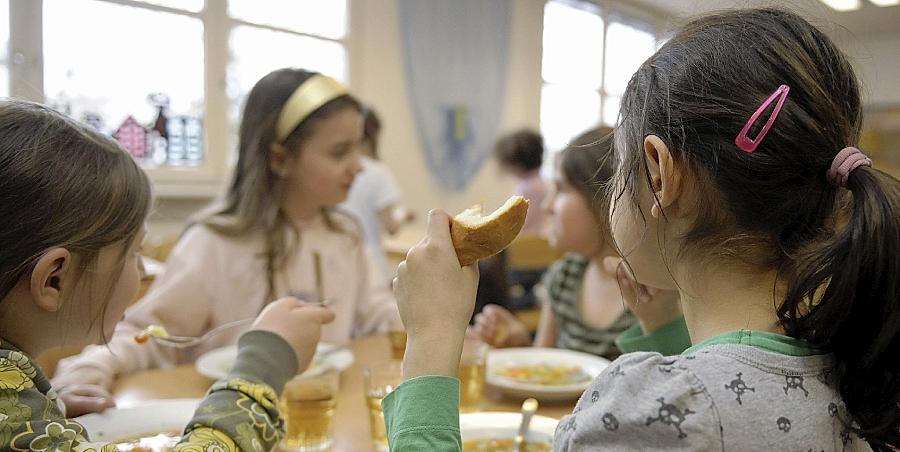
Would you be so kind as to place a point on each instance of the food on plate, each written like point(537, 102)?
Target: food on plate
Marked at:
point(151, 331)
point(503, 445)
point(477, 236)
point(545, 374)
point(162, 442)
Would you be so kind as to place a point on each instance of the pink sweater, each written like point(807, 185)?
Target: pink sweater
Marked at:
point(211, 280)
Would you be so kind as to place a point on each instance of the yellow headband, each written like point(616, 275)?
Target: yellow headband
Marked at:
point(307, 98)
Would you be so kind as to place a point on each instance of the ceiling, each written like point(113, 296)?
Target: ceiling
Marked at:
point(868, 20)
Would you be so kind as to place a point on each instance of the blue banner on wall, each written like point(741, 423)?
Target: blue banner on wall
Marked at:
point(456, 54)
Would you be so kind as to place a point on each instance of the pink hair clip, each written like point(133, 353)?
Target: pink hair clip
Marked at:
point(744, 142)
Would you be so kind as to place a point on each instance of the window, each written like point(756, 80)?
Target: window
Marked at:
point(301, 33)
point(167, 78)
point(186, 5)
point(323, 18)
point(588, 59)
point(4, 48)
point(627, 48)
point(572, 71)
point(143, 90)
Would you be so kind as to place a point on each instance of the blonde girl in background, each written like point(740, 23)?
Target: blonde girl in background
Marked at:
point(71, 221)
point(739, 186)
point(298, 156)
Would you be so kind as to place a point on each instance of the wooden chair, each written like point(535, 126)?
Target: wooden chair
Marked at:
point(530, 253)
point(159, 247)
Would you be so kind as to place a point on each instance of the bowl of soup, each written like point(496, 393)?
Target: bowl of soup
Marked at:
point(496, 432)
point(547, 374)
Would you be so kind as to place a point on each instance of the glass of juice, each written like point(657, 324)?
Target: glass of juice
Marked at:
point(380, 380)
point(308, 408)
point(398, 344)
point(472, 373)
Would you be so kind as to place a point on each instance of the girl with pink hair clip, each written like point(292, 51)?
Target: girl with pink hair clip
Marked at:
point(739, 186)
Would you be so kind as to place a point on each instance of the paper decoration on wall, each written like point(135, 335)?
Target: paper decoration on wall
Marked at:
point(94, 120)
point(170, 140)
point(133, 137)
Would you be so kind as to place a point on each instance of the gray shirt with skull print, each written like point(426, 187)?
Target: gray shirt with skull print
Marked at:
point(721, 397)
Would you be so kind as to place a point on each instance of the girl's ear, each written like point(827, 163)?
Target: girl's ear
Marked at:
point(50, 275)
point(278, 157)
point(665, 176)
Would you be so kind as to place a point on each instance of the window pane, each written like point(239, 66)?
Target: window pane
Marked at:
point(4, 29)
point(573, 45)
point(627, 48)
point(567, 112)
point(611, 109)
point(186, 5)
point(104, 68)
point(4, 81)
point(326, 18)
point(4, 46)
point(250, 62)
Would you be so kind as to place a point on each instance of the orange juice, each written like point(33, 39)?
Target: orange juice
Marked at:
point(308, 408)
point(472, 373)
point(471, 385)
point(380, 379)
point(398, 344)
point(376, 418)
point(309, 424)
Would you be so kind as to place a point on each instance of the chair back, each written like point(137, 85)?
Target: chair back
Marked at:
point(530, 252)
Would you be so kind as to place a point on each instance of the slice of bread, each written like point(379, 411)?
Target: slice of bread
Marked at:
point(476, 236)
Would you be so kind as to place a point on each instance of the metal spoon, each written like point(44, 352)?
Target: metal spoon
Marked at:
point(190, 341)
point(529, 406)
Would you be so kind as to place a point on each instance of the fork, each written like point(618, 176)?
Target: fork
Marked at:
point(190, 341)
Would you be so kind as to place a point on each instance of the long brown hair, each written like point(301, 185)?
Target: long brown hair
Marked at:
point(253, 200)
point(62, 185)
point(588, 164)
point(837, 250)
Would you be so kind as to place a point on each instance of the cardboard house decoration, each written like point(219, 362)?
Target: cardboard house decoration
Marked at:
point(133, 137)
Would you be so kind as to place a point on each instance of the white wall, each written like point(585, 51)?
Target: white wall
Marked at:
point(876, 59)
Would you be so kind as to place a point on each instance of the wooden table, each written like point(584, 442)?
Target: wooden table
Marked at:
point(351, 419)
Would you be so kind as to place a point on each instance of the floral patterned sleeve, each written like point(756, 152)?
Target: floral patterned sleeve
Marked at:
point(239, 412)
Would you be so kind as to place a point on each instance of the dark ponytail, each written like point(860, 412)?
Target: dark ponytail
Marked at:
point(837, 251)
point(858, 314)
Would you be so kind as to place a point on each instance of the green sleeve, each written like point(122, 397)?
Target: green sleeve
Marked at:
point(423, 414)
point(670, 339)
point(242, 409)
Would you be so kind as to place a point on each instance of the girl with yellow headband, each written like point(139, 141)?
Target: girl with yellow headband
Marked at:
point(298, 154)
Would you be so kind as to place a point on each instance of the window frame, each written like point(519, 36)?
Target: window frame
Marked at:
point(25, 65)
point(609, 12)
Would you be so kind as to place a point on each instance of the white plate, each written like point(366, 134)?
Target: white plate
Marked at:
point(216, 363)
point(505, 425)
point(120, 424)
point(525, 356)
